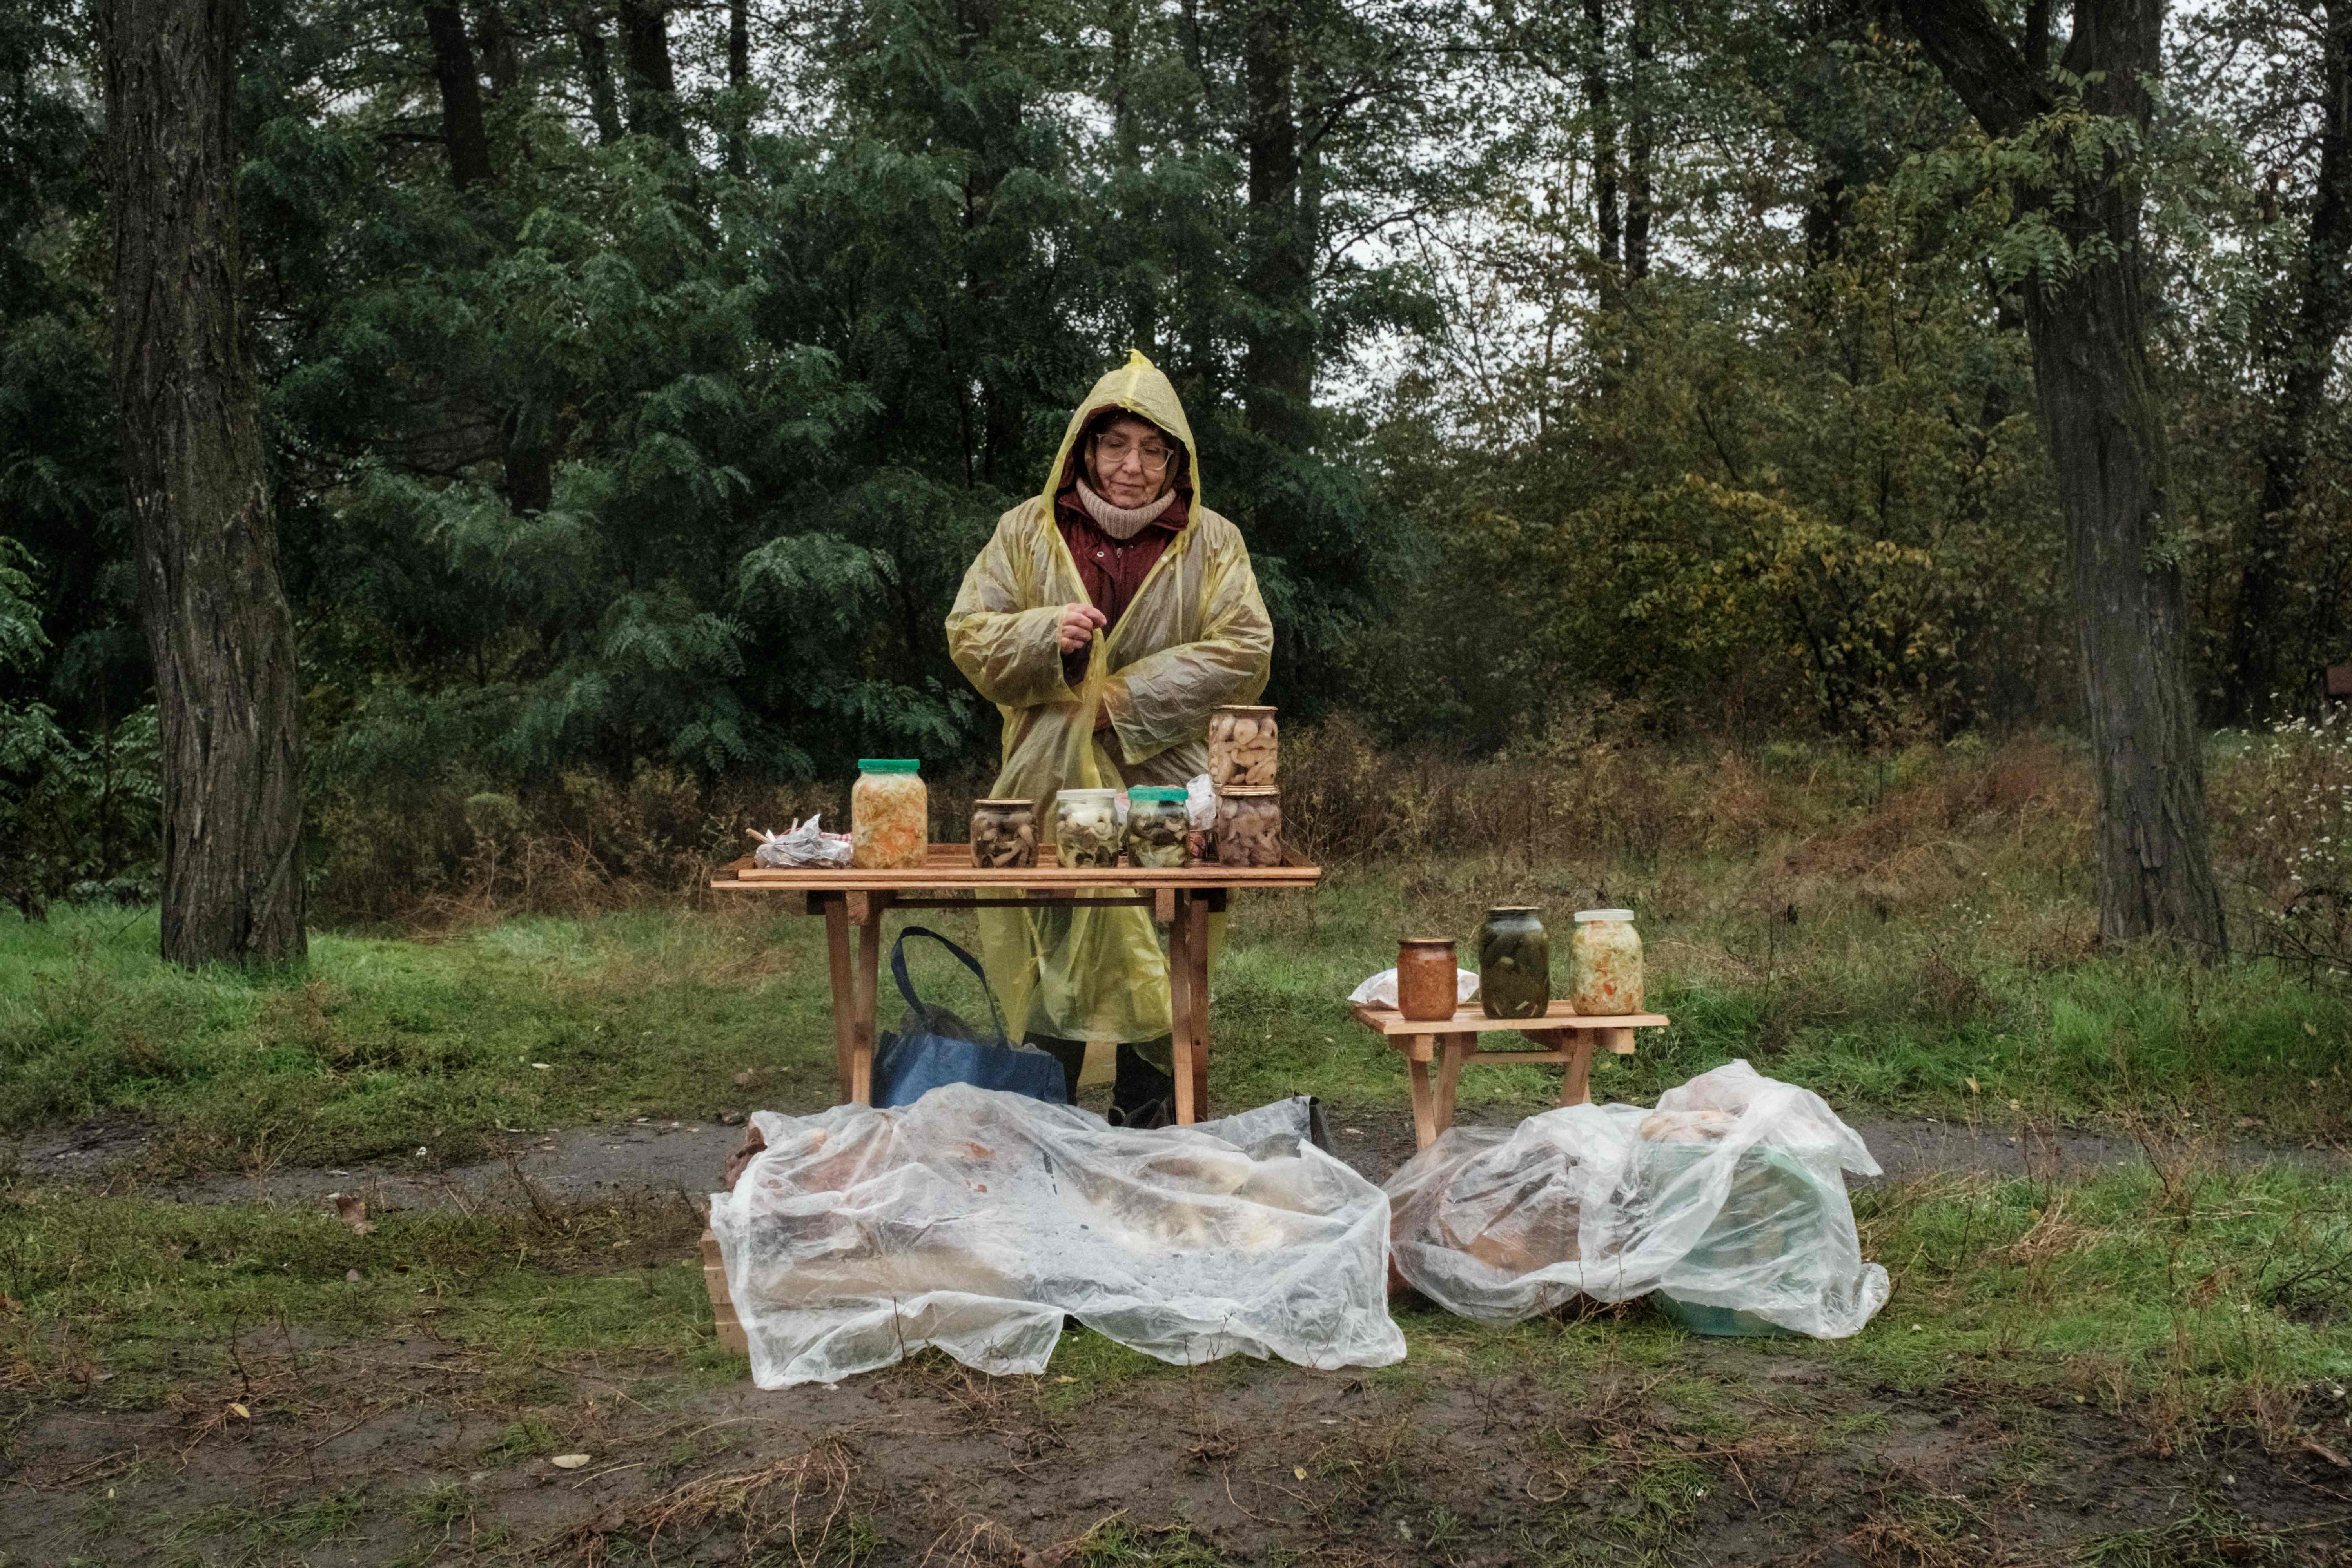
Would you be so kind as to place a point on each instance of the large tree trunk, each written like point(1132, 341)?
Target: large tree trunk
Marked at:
point(1641, 140)
point(2307, 346)
point(597, 70)
point(2107, 449)
point(652, 85)
point(1606, 224)
point(217, 626)
point(738, 77)
point(461, 97)
point(1278, 349)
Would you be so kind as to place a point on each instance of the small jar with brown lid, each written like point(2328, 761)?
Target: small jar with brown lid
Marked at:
point(1427, 987)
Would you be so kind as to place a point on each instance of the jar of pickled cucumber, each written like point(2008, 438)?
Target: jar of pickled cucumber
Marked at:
point(1086, 827)
point(1249, 827)
point(1003, 834)
point(1514, 964)
point(890, 814)
point(1605, 959)
point(1242, 742)
point(1156, 827)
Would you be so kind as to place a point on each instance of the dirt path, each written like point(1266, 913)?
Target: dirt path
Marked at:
point(663, 1156)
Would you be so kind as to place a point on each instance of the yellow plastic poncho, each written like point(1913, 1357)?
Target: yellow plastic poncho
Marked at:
point(1195, 635)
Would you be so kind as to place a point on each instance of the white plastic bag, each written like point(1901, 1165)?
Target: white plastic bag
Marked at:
point(804, 845)
point(1728, 1195)
point(971, 1221)
point(1379, 991)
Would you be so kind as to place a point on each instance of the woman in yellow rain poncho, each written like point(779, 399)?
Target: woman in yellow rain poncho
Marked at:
point(1106, 618)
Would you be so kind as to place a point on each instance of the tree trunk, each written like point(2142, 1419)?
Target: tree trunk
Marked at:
point(501, 52)
point(1640, 142)
point(596, 69)
point(739, 79)
point(1605, 221)
point(2309, 351)
point(1277, 355)
point(2107, 449)
point(227, 682)
point(645, 59)
point(461, 98)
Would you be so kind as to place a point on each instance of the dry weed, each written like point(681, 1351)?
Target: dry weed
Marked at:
point(788, 1510)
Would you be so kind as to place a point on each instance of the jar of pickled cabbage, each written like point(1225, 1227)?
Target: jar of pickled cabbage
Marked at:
point(1242, 747)
point(1249, 827)
point(1003, 834)
point(1156, 827)
point(1514, 964)
point(890, 814)
point(1605, 956)
point(1086, 827)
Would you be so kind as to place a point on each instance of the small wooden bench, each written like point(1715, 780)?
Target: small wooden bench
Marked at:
point(1561, 1035)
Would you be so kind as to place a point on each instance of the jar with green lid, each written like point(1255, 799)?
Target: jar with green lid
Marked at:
point(890, 814)
point(1514, 964)
point(1155, 827)
point(1605, 961)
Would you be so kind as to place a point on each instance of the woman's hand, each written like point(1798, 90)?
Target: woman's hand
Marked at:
point(1078, 624)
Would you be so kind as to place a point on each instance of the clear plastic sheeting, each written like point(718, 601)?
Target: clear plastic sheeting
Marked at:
point(971, 1221)
point(1728, 1195)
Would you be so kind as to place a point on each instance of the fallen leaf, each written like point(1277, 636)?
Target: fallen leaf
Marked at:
point(569, 1461)
point(239, 1411)
point(542, 1067)
point(750, 1078)
point(2246, 1121)
point(1973, 1089)
point(351, 1276)
point(1298, 1471)
point(352, 1210)
point(1065, 1380)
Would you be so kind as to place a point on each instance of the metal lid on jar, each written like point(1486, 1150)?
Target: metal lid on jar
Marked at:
point(1424, 941)
point(1248, 792)
point(1005, 804)
point(887, 765)
point(1089, 796)
point(1241, 708)
point(1604, 914)
point(1155, 792)
point(1515, 909)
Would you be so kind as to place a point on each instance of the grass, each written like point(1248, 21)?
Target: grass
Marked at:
point(377, 1048)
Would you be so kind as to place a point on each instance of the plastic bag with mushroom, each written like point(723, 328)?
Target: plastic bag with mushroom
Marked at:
point(1728, 1195)
point(972, 1221)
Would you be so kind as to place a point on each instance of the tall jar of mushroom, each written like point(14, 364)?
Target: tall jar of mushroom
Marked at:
point(1241, 748)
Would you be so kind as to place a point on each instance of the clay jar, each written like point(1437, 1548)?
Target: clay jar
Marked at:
point(1426, 991)
point(1514, 964)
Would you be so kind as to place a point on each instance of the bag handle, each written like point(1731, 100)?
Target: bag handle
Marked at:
point(907, 986)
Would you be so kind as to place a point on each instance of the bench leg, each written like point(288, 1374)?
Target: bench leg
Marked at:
point(845, 996)
point(1195, 912)
point(1424, 1107)
point(1449, 1077)
point(866, 913)
point(1576, 1083)
point(1180, 1011)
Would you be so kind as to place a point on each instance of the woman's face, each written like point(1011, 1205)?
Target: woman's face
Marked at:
point(1129, 462)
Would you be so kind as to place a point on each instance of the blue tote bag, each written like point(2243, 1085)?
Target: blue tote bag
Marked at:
point(933, 1046)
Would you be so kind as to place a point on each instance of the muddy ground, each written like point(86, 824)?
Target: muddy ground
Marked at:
point(421, 1451)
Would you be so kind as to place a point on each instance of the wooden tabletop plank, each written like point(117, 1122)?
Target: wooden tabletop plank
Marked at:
point(1469, 1020)
point(949, 866)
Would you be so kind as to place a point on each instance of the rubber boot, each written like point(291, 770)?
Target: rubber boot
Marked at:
point(1142, 1094)
point(1071, 1054)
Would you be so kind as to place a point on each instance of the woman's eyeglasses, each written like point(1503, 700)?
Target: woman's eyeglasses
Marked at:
point(1112, 452)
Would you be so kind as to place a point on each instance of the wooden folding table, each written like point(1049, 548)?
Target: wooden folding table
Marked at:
point(853, 901)
point(1561, 1035)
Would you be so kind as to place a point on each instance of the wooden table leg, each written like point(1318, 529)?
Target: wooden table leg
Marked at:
point(1576, 1083)
point(1180, 1010)
point(1449, 1077)
point(1417, 1051)
point(845, 994)
point(866, 913)
point(1195, 914)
